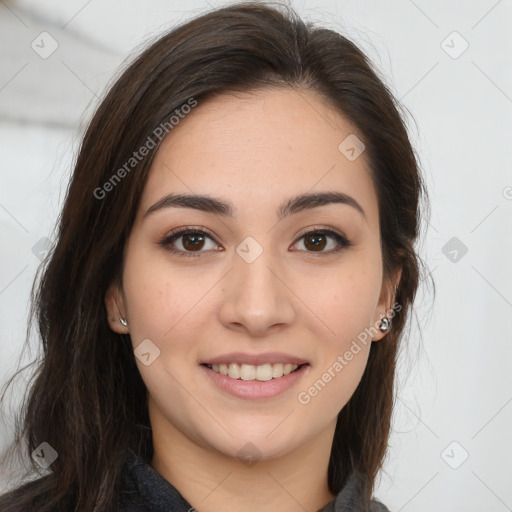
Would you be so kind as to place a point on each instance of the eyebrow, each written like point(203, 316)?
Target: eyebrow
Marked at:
point(217, 206)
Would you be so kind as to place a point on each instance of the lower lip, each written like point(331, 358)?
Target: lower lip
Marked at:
point(254, 389)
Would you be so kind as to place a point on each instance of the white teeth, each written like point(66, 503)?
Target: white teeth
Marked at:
point(277, 370)
point(247, 372)
point(262, 372)
point(234, 371)
point(287, 368)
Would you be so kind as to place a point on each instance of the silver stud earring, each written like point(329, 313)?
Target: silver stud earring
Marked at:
point(123, 322)
point(385, 324)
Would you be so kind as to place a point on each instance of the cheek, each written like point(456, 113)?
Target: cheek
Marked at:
point(330, 387)
point(345, 309)
point(344, 300)
point(156, 300)
point(148, 301)
point(344, 303)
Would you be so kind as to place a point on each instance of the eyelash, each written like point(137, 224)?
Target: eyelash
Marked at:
point(177, 233)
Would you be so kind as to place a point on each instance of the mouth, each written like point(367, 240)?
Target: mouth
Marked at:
point(255, 382)
point(249, 372)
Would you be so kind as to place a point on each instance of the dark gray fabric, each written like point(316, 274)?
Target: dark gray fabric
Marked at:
point(145, 490)
point(349, 499)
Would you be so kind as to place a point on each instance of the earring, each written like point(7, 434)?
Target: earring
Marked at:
point(123, 322)
point(385, 324)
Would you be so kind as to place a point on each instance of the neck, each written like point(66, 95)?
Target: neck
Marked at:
point(212, 481)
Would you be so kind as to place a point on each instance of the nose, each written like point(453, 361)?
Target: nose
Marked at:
point(257, 298)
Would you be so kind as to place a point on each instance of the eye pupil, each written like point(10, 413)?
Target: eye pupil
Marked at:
point(197, 241)
point(318, 241)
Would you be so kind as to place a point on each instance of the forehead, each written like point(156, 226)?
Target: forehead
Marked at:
point(259, 149)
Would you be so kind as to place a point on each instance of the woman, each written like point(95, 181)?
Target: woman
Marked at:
point(234, 268)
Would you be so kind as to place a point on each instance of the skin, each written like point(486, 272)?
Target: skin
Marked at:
point(256, 151)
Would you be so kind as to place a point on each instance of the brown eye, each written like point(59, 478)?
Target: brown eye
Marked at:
point(193, 242)
point(320, 239)
point(188, 242)
point(315, 242)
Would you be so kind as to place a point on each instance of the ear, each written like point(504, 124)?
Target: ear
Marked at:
point(386, 302)
point(116, 308)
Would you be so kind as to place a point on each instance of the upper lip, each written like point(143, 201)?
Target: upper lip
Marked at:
point(255, 359)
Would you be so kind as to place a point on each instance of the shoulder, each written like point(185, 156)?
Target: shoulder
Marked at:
point(377, 506)
point(31, 496)
point(144, 489)
point(351, 498)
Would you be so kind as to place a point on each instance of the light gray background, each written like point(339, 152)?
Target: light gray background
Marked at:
point(454, 383)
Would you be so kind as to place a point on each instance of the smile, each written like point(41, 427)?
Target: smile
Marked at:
point(262, 372)
point(262, 381)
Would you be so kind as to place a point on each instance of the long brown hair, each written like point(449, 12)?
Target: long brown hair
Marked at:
point(88, 400)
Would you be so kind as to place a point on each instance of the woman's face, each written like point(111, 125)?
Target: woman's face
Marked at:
point(245, 285)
